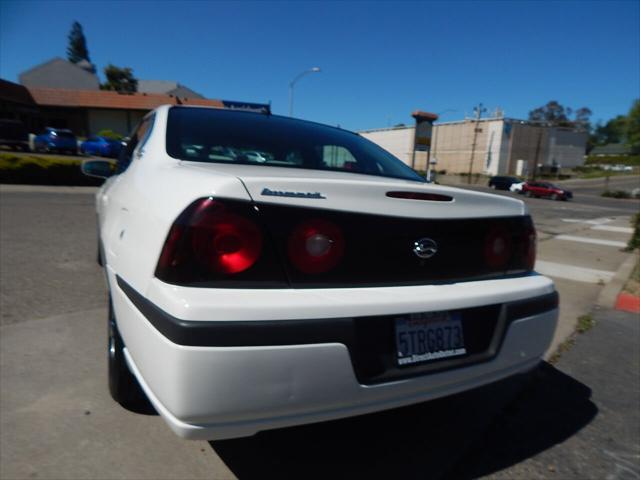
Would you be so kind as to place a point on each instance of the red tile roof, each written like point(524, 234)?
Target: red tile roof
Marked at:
point(55, 97)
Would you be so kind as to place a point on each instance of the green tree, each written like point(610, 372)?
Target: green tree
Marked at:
point(582, 119)
point(555, 114)
point(614, 131)
point(77, 49)
point(552, 113)
point(633, 127)
point(119, 79)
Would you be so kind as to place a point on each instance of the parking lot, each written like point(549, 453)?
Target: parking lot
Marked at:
point(58, 421)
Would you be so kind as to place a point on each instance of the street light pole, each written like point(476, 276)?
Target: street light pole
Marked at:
point(292, 84)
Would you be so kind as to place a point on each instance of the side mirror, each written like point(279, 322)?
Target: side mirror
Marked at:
point(98, 168)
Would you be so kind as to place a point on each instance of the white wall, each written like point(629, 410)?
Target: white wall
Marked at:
point(397, 141)
point(495, 162)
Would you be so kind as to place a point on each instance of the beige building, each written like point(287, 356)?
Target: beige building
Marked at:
point(491, 146)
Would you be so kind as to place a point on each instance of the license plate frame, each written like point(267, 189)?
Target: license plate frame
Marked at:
point(427, 337)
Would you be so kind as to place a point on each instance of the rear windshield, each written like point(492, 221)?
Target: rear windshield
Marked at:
point(232, 137)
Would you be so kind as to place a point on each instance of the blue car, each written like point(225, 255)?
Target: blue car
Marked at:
point(56, 140)
point(101, 147)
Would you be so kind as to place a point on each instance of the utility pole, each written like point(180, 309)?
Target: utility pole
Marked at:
point(537, 156)
point(479, 110)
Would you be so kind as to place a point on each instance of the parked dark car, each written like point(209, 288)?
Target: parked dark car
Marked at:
point(502, 182)
point(545, 189)
point(56, 140)
point(14, 134)
point(101, 146)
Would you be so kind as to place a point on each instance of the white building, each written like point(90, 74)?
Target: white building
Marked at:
point(492, 146)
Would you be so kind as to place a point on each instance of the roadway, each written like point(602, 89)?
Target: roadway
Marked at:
point(58, 421)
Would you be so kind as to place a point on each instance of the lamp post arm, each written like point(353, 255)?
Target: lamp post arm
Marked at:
point(292, 84)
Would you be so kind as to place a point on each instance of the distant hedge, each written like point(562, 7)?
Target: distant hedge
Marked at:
point(35, 169)
point(614, 160)
point(110, 134)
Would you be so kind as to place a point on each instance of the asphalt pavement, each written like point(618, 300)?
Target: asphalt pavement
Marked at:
point(58, 421)
point(579, 419)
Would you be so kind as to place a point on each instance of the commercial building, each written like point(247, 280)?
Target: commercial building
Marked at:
point(165, 87)
point(61, 94)
point(87, 112)
point(612, 150)
point(16, 103)
point(492, 146)
point(60, 73)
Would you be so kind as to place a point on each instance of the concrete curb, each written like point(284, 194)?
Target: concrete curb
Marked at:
point(609, 294)
point(607, 298)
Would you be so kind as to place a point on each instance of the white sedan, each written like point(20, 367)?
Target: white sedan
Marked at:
point(516, 187)
point(325, 279)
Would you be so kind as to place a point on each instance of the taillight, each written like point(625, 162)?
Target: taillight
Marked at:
point(497, 247)
point(216, 240)
point(531, 247)
point(315, 246)
point(224, 241)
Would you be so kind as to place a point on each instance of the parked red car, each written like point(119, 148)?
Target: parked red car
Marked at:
point(545, 189)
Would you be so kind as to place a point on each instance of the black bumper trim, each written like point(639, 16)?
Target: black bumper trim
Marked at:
point(283, 332)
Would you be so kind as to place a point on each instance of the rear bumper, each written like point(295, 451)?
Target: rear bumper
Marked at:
point(243, 384)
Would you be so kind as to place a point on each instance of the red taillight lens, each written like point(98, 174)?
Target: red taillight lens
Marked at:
point(225, 241)
point(210, 237)
point(531, 247)
point(316, 246)
point(497, 247)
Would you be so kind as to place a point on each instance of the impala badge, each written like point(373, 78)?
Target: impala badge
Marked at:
point(282, 193)
point(425, 248)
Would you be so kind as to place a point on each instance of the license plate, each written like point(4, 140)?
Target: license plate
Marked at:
point(422, 337)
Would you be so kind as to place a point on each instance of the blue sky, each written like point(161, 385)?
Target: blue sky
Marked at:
point(379, 61)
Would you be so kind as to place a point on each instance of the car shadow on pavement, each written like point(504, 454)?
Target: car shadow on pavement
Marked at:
point(462, 436)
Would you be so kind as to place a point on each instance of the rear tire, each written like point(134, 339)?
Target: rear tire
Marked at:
point(527, 194)
point(123, 386)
